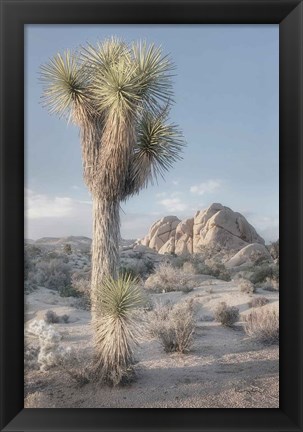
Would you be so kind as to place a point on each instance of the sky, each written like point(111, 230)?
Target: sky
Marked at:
point(226, 104)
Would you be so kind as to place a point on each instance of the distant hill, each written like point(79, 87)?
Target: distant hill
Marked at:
point(77, 243)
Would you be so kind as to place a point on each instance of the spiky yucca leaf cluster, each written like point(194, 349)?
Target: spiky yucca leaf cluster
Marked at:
point(65, 85)
point(117, 331)
point(113, 89)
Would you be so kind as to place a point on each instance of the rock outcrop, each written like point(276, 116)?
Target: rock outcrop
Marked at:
point(160, 233)
point(249, 255)
point(217, 226)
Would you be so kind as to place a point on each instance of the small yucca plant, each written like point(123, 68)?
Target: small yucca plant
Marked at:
point(117, 330)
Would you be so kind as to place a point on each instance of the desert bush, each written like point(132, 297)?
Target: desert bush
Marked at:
point(189, 268)
point(55, 275)
point(245, 286)
point(219, 271)
point(67, 249)
point(174, 326)
point(32, 252)
point(31, 357)
point(226, 315)
point(49, 344)
point(168, 278)
point(274, 250)
point(264, 271)
point(78, 368)
point(179, 260)
point(258, 302)
point(263, 325)
point(137, 267)
point(196, 264)
point(117, 330)
point(81, 283)
point(270, 284)
point(52, 318)
point(32, 255)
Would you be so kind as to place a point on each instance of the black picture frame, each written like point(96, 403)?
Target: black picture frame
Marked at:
point(14, 15)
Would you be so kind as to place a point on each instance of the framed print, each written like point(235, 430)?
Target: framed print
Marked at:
point(147, 233)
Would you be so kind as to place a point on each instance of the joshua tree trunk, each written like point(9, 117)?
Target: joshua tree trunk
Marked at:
point(105, 247)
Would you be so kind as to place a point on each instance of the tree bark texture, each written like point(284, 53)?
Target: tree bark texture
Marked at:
point(105, 246)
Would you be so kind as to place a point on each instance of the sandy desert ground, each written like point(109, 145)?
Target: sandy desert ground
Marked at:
point(224, 369)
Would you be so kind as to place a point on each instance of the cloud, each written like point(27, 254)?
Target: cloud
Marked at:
point(175, 182)
point(39, 206)
point(161, 195)
point(206, 187)
point(173, 204)
point(55, 216)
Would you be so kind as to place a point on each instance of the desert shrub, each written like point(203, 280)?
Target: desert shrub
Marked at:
point(126, 270)
point(195, 264)
point(31, 357)
point(263, 325)
point(189, 268)
point(160, 313)
point(174, 326)
point(179, 260)
point(274, 251)
point(270, 284)
point(117, 329)
point(137, 267)
point(245, 286)
point(32, 255)
point(219, 271)
point(81, 284)
point(226, 315)
point(52, 318)
point(258, 302)
point(31, 252)
point(49, 344)
point(77, 367)
point(55, 275)
point(168, 278)
point(261, 273)
point(67, 249)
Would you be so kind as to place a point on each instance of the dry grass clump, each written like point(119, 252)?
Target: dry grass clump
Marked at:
point(263, 325)
point(198, 264)
point(246, 286)
point(78, 368)
point(258, 302)
point(81, 284)
point(168, 278)
point(226, 315)
point(174, 326)
point(117, 330)
point(52, 318)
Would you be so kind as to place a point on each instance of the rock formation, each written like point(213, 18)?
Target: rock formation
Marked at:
point(217, 226)
point(249, 255)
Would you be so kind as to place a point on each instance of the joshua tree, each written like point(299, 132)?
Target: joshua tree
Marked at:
point(119, 96)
